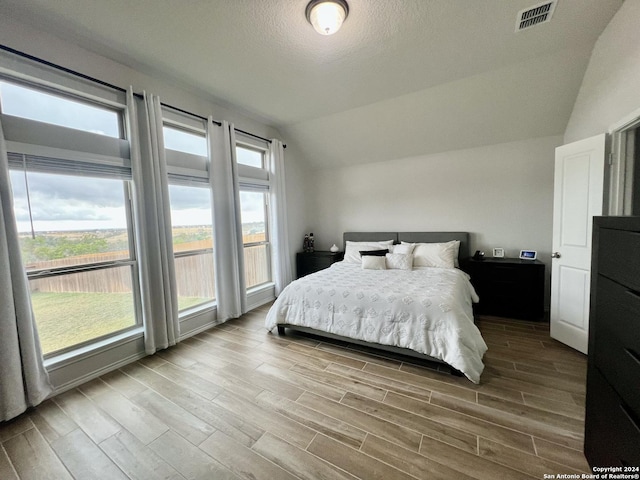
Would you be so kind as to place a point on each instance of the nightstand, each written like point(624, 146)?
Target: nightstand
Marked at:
point(309, 262)
point(508, 287)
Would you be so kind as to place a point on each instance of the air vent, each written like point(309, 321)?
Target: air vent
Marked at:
point(535, 15)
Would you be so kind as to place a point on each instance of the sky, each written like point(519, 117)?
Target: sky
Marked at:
point(66, 202)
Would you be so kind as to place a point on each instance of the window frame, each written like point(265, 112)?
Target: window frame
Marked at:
point(65, 157)
point(72, 96)
point(267, 234)
point(254, 179)
point(196, 177)
point(209, 304)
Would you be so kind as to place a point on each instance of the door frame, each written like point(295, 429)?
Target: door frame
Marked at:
point(618, 161)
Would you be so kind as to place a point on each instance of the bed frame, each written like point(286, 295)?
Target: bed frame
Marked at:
point(397, 237)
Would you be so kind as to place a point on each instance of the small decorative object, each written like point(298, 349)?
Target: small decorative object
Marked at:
point(478, 255)
point(498, 252)
point(528, 254)
point(305, 243)
point(311, 242)
point(334, 248)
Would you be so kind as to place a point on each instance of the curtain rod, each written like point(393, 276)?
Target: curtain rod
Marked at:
point(110, 85)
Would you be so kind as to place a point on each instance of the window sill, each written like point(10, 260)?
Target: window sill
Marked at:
point(86, 351)
point(196, 311)
point(260, 288)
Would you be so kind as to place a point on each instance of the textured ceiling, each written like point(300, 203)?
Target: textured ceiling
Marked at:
point(417, 70)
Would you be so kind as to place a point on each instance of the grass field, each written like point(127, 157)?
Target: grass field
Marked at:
point(66, 319)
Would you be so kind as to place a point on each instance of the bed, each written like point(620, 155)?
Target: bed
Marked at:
point(424, 312)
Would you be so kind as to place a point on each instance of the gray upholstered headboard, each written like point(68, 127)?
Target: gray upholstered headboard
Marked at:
point(413, 237)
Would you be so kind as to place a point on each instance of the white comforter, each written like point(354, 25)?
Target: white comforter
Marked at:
point(426, 309)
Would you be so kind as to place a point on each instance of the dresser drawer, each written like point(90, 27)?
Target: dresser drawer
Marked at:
point(619, 256)
point(617, 339)
point(612, 433)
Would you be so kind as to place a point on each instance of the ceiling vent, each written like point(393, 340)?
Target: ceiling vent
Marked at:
point(535, 15)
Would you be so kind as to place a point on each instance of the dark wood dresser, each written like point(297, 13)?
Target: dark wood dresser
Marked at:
point(508, 287)
point(310, 262)
point(612, 423)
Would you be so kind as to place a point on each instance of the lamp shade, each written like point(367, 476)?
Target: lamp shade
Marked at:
point(327, 16)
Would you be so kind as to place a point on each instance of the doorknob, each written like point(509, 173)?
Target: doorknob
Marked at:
point(555, 255)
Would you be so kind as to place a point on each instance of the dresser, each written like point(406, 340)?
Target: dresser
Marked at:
point(612, 422)
point(310, 262)
point(508, 287)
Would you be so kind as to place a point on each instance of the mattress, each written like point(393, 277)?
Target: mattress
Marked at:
point(427, 310)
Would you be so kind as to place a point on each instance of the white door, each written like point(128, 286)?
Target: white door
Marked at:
point(577, 198)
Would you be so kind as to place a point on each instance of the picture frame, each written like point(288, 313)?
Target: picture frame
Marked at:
point(498, 252)
point(528, 254)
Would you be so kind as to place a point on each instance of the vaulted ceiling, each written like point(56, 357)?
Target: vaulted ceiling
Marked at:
point(401, 78)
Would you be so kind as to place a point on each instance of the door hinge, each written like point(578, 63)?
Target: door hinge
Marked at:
point(610, 158)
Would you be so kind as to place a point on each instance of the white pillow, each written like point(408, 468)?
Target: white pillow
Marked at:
point(404, 248)
point(352, 249)
point(441, 255)
point(372, 262)
point(399, 261)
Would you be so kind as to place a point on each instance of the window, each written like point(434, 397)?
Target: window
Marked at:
point(250, 156)
point(184, 141)
point(191, 220)
point(191, 209)
point(24, 102)
point(254, 209)
point(73, 215)
point(76, 248)
point(255, 238)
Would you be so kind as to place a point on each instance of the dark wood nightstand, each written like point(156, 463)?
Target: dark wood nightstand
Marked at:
point(508, 287)
point(309, 262)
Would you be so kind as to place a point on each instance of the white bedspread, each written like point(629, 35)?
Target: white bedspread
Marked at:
point(426, 309)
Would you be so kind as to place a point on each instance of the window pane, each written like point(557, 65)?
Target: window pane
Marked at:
point(191, 219)
point(253, 213)
point(71, 309)
point(256, 265)
point(183, 141)
point(49, 108)
point(254, 229)
point(76, 220)
point(253, 158)
point(195, 279)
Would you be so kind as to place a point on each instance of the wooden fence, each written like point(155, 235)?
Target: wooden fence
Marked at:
point(194, 274)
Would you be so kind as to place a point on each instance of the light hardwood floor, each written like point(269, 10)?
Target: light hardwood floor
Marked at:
point(237, 402)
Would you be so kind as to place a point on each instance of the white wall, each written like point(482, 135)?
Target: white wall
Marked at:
point(610, 89)
point(501, 194)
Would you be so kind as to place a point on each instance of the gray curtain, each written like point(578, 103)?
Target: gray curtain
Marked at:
point(153, 227)
point(24, 382)
point(230, 283)
point(282, 271)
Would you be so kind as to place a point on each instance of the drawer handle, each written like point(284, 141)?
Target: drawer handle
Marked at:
point(633, 355)
point(630, 416)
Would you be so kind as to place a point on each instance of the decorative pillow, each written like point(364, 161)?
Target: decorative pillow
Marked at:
point(373, 262)
point(399, 261)
point(374, 253)
point(441, 255)
point(352, 249)
point(404, 248)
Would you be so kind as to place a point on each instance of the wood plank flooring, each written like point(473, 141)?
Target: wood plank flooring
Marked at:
point(236, 402)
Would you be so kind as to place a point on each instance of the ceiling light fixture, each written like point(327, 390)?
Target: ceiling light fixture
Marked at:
point(327, 16)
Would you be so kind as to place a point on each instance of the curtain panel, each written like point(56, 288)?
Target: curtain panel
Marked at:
point(24, 382)
point(282, 272)
point(153, 226)
point(227, 234)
